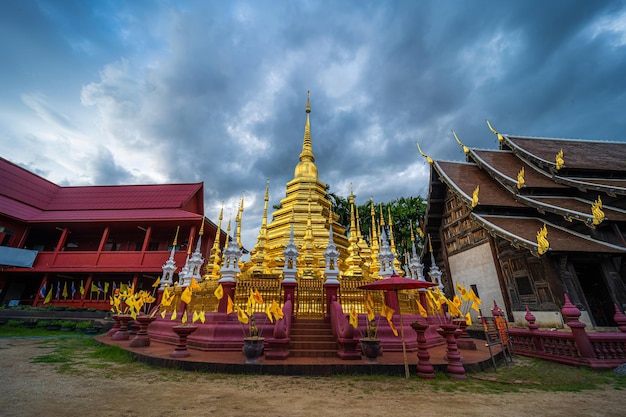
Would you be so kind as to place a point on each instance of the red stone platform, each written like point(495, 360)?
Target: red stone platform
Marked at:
point(389, 363)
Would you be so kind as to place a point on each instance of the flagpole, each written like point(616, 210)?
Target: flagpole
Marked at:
point(406, 362)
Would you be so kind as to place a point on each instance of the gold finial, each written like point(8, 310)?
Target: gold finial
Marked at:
point(542, 242)
point(520, 179)
point(412, 234)
point(559, 160)
point(176, 237)
point(475, 196)
point(202, 227)
point(465, 148)
point(190, 245)
point(267, 189)
point(430, 244)
point(596, 210)
point(500, 137)
point(308, 101)
point(420, 228)
point(382, 217)
point(428, 158)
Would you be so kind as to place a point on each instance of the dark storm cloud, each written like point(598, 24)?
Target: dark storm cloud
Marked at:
point(215, 91)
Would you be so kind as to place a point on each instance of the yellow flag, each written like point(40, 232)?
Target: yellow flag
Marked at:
point(194, 285)
point(241, 316)
point(219, 292)
point(173, 315)
point(65, 290)
point(475, 307)
point(457, 301)
point(195, 317)
point(157, 282)
point(354, 318)
point(474, 297)
point(422, 310)
point(106, 287)
point(82, 288)
point(251, 302)
point(257, 296)
point(48, 297)
point(393, 328)
point(370, 313)
point(268, 312)
point(202, 317)
point(468, 319)
point(452, 308)
point(186, 295)
point(93, 287)
point(184, 319)
point(277, 311)
point(387, 312)
point(163, 313)
point(370, 301)
point(229, 307)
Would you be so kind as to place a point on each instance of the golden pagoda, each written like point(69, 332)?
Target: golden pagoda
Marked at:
point(308, 209)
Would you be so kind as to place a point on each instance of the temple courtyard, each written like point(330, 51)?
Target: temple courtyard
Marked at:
point(73, 376)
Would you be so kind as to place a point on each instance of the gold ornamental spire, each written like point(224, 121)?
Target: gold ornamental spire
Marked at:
point(306, 167)
point(307, 146)
point(238, 222)
point(354, 260)
point(498, 135)
point(374, 264)
point(176, 237)
point(214, 256)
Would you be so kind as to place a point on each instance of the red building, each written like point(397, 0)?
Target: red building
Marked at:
point(56, 240)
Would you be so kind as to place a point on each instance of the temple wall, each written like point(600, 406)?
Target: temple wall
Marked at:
point(476, 266)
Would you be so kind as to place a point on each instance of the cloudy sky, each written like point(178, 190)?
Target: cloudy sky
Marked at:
point(135, 92)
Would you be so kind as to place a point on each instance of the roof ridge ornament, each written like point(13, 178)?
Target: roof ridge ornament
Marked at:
point(500, 137)
point(465, 148)
point(475, 196)
point(542, 240)
point(428, 158)
point(596, 210)
point(559, 161)
point(521, 182)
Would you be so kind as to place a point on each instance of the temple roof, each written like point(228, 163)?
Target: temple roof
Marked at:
point(27, 197)
point(521, 189)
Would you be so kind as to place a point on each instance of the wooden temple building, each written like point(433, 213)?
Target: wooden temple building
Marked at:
point(531, 221)
point(78, 245)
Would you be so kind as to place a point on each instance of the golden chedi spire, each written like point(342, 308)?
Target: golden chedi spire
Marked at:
point(354, 260)
point(238, 222)
point(374, 247)
point(306, 167)
point(397, 264)
point(213, 264)
point(364, 249)
point(257, 255)
point(306, 197)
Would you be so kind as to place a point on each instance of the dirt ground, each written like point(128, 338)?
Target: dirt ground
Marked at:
point(38, 389)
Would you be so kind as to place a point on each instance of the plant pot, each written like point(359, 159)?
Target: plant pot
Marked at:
point(253, 349)
point(370, 347)
point(183, 331)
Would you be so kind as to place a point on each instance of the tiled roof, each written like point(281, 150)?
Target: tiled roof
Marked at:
point(577, 154)
point(464, 178)
point(28, 197)
point(522, 231)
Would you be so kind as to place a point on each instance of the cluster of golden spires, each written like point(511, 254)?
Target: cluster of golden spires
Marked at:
point(307, 209)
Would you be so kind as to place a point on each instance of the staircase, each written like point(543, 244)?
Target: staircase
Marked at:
point(312, 338)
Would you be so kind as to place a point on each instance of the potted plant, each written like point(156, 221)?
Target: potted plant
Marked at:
point(370, 344)
point(253, 344)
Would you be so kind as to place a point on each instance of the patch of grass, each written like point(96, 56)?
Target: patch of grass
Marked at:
point(35, 332)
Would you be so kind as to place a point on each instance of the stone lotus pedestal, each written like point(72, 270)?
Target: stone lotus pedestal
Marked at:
point(116, 325)
point(455, 367)
point(370, 347)
point(122, 333)
point(183, 331)
point(425, 369)
point(142, 339)
point(253, 349)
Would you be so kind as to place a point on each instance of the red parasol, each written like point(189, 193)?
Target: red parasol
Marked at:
point(396, 283)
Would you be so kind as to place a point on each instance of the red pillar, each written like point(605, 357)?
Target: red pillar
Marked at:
point(572, 313)
point(331, 292)
point(229, 291)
